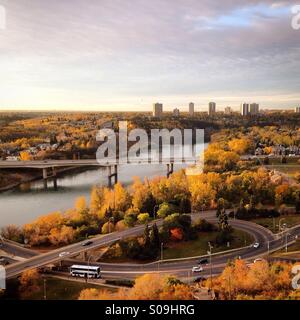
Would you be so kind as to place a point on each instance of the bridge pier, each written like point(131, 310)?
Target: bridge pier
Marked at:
point(112, 175)
point(45, 173)
point(170, 169)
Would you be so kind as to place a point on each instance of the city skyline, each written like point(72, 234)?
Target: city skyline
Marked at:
point(111, 56)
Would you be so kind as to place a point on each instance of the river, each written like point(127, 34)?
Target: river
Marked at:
point(31, 200)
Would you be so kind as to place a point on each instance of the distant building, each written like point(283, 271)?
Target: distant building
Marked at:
point(245, 109)
point(228, 110)
point(297, 109)
point(191, 109)
point(157, 110)
point(254, 108)
point(211, 108)
point(176, 112)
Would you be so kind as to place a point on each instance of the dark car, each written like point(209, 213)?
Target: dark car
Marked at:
point(87, 243)
point(203, 261)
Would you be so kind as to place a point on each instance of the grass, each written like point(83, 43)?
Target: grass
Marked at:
point(289, 169)
point(289, 160)
point(290, 220)
point(293, 252)
point(56, 289)
point(200, 246)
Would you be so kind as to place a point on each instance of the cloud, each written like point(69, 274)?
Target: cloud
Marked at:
point(116, 50)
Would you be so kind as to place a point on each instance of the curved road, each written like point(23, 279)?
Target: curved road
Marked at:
point(261, 235)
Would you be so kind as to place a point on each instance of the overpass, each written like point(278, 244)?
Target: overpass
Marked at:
point(268, 243)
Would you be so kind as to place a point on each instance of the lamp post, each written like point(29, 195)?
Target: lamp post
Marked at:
point(89, 260)
point(210, 258)
point(161, 255)
point(286, 241)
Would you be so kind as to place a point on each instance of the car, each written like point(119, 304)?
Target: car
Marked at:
point(87, 243)
point(256, 245)
point(258, 260)
point(197, 269)
point(63, 254)
point(203, 261)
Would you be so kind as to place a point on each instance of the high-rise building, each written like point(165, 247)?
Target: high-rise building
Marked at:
point(228, 110)
point(211, 108)
point(191, 109)
point(254, 108)
point(245, 109)
point(176, 112)
point(297, 109)
point(157, 110)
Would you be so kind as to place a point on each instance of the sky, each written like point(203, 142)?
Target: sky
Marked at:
point(126, 54)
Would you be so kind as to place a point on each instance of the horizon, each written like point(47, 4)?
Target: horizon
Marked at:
point(104, 56)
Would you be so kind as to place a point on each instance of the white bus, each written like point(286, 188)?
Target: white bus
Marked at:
point(85, 271)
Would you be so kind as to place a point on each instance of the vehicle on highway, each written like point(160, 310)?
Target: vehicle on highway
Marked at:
point(83, 271)
point(256, 245)
point(197, 269)
point(203, 261)
point(63, 254)
point(258, 260)
point(87, 243)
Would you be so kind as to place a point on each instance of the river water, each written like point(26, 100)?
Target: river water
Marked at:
point(31, 200)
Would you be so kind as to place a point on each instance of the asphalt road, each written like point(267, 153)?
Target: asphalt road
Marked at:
point(260, 234)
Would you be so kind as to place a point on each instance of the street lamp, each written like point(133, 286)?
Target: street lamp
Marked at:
point(210, 254)
point(89, 260)
point(161, 256)
point(286, 241)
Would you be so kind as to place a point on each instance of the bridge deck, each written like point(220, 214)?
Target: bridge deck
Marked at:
point(80, 163)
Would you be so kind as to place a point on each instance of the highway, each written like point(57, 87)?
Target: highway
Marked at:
point(259, 233)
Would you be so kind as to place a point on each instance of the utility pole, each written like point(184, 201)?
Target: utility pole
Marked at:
point(210, 261)
point(161, 255)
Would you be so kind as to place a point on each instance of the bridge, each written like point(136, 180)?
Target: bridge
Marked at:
point(112, 166)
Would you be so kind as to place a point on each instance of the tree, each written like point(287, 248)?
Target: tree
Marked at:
point(108, 227)
point(146, 287)
point(130, 219)
point(29, 281)
point(143, 218)
point(154, 237)
point(165, 209)
point(176, 234)
point(80, 205)
point(97, 200)
point(25, 156)
point(63, 235)
point(12, 232)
